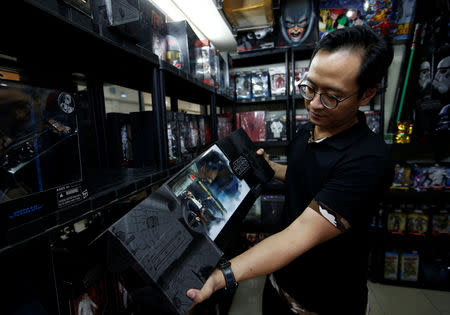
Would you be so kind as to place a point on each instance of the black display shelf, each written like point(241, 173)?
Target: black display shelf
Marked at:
point(432, 151)
point(260, 57)
point(106, 187)
point(302, 52)
point(406, 196)
point(259, 100)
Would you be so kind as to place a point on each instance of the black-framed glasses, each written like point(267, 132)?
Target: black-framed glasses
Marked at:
point(328, 101)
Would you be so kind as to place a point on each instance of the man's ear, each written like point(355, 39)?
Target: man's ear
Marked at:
point(367, 96)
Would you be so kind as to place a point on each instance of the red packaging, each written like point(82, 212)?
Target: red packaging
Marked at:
point(254, 123)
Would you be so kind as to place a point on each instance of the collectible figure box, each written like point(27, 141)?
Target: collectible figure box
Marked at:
point(119, 139)
point(180, 41)
point(224, 124)
point(260, 84)
point(206, 62)
point(254, 124)
point(276, 126)
point(173, 239)
point(391, 265)
point(255, 39)
point(409, 266)
point(40, 164)
point(173, 136)
point(277, 80)
point(243, 85)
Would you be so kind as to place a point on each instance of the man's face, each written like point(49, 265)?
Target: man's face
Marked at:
point(334, 73)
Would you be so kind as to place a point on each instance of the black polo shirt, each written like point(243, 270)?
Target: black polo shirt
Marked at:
point(342, 178)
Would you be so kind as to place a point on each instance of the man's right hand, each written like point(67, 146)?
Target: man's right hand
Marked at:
point(279, 169)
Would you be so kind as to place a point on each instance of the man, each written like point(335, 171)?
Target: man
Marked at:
point(337, 170)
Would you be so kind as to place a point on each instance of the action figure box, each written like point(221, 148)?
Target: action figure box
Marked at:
point(144, 139)
point(297, 24)
point(300, 75)
point(409, 267)
point(184, 134)
point(381, 16)
point(276, 125)
point(254, 124)
point(173, 136)
point(129, 22)
point(334, 15)
point(396, 222)
point(180, 46)
point(277, 80)
point(120, 144)
point(401, 178)
point(373, 120)
point(224, 125)
point(40, 160)
point(260, 84)
point(243, 85)
point(391, 265)
point(417, 223)
point(173, 240)
point(405, 18)
point(257, 39)
point(206, 62)
point(205, 137)
point(441, 223)
point(194, 134)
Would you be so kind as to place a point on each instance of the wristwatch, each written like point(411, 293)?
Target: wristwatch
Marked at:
point(230, 281)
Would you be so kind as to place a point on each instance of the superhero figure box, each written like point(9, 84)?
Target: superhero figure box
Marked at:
point(180, 45)
point(173, 240)
point(40, 164)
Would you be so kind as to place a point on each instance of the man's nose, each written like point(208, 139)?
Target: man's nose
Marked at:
point(316, 102)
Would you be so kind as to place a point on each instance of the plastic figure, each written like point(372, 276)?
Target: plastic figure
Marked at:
point(441, 81)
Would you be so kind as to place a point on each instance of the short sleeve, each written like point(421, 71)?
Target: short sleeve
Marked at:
point(354, 187)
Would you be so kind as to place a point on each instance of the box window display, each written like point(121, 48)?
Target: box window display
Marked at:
point(180, 43)
point(441, 223)
point(224, 125)
point(396, 222)
point(277, 80)
point(173, 239)
point(206, 62)
point(260, 84)
point(417, 223)
point(391, 262)
point(276, 126)
point(243, 85)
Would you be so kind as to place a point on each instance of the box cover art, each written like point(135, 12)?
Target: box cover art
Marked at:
point(254, 125)
point(276, 126)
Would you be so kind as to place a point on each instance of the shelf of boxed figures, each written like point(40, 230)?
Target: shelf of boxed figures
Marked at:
point(433, 151)
point(260, 57)
point(430, 251)
point(68, 53)
point(104, 188)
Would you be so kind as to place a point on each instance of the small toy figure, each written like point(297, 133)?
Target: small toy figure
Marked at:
point(403, 134)
point(441, 81)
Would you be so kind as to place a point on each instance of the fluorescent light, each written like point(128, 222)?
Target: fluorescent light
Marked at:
point(204, 18)
point(204, 15)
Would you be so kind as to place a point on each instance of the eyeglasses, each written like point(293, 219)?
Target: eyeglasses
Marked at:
point(328, 101)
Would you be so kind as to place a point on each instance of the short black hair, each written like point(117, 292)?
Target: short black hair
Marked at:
point(377, 52)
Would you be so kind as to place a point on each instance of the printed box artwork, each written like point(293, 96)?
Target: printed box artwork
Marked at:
point(441, 223)
point(417, 223)
point(409, 267)
point(276, 126)
point(243, 85)
point(172, 240)
point(390, 265)
point(277, 80)
point(401, 177)
point(396, 222)
point(260, 84)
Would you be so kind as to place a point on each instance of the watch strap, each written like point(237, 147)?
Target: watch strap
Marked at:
point(230, 281)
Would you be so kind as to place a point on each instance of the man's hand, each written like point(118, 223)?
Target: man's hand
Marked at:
point(280, 170)
point(214, 283)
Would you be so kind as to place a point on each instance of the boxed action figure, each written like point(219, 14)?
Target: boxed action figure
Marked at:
point(276, 126)
point(277, 80)
point(243, 85)
point(194, 136)
point(391, 265)
point(335, 15)
point(373, 120)
point(255, 39)
point(401, 178)
point(119, 138)
point(173, 136)
point(409, 266)
point(224, 125)
point(396, 223)
point(173, 240)
point(183, 124)
point(417, 223)
point(260, 84)
point(40, 163)
point(206, 62)
point(441, 223)
point(180, 43)
point(254, 124)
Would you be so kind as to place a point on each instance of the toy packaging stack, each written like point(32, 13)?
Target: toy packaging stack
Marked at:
point(277, 80)
point(409, 267)
point(254, 124)
point(441, 223)
point(391, 265)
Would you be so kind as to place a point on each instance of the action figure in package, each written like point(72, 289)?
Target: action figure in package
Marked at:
point(254, 124)
point(224, 125)
point(396, 222)
point(409, 266)
point(381, 15)
point(260, 84)
point(243, 85)
point(255, 39)
point(276, 126)
point(390, 265)
point(373, 120)
point(277, 80)
point(441, 223)
point(417, 223)
point(401, 178)
point(406, 10)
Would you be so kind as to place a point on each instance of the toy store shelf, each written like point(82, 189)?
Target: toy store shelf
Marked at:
point(260, 57)
point(272, 144)
point(225, 95)
point(416, 196)
point(412, 284)
point(81, 48)
point(431, 151)
point(302, 52)
point(259, 100)
point(184, 86)
point(106, 187)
